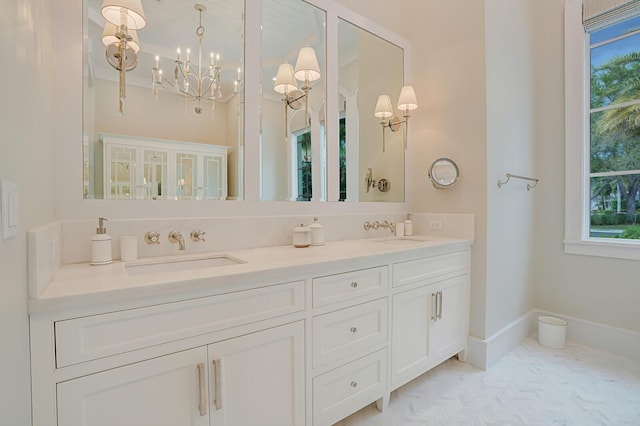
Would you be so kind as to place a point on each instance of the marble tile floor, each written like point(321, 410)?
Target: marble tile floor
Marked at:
point(531, 385)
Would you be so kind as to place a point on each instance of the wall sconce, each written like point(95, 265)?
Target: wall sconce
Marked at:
point(306, 71)
point(407, 101)
point(123, 18)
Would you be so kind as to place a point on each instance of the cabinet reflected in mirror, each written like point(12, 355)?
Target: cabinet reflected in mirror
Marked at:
point(160, 147)
point(293, 136)
point(369, 66)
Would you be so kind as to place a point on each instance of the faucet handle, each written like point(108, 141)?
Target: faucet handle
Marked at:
point(152, 237)
point(197, 235)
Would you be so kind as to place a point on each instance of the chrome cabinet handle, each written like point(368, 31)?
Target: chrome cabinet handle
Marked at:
point(354, 284)
point(434, 306)
point(216, 384)
point(354, 330)
point(354, 384)
point(440, 305)
point(203, 396)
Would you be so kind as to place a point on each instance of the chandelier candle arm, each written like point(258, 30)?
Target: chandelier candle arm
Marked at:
point(194, 82)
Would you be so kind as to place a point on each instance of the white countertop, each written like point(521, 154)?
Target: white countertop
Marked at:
point(81, 285)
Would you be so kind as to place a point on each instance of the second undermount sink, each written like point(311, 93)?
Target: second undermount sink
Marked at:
point(180, 263)
point(406, 240)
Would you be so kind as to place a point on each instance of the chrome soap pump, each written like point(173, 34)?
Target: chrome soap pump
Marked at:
point(101, 245)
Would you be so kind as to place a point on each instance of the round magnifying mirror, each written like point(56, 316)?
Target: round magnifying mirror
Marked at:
point(443, 173)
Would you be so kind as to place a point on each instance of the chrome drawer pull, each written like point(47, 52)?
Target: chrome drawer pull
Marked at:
point(354, 284)
point(354, 384)
point(354, 330)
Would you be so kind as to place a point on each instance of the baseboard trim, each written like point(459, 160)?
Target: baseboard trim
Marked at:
point(620, 341)
point(483, 353)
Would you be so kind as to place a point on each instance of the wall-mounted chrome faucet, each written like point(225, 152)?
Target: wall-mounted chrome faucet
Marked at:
point(375, 225)
point(176, 237)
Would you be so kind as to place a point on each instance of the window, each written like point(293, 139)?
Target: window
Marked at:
point(303, 159)
point(614, 136)
point(343, 159)
point(602, 189)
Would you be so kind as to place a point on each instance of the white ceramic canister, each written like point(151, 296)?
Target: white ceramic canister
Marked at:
point(301, 236)
point(317, 233)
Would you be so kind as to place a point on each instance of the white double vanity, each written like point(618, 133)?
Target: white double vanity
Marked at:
point(286, 337)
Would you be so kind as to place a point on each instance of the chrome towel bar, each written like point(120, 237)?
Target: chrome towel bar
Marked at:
point(509, 176)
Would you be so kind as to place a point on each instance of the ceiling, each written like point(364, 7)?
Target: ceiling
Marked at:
point(287, 26)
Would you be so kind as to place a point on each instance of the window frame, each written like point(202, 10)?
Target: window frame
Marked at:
point(577, 148)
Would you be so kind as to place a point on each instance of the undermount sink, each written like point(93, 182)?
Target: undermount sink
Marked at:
point(179, 263)
point(406, 240)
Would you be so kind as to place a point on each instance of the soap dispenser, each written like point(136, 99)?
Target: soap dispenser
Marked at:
point(408, 225)
point(317, 233)
point(101, 245)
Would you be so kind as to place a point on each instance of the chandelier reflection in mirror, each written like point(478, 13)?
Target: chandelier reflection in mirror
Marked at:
point(123, 17)
point(194, 82)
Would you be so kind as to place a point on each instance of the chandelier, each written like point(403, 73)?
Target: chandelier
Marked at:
point(192, 82)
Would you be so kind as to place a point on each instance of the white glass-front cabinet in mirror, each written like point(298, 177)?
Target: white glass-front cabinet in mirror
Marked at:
point(142, 168)
point(255, 379)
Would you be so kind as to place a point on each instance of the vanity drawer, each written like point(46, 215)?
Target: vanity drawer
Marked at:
point(349, 285)
point(346, 389)
point(349, 332)
point(88, 338)
point(430, 267)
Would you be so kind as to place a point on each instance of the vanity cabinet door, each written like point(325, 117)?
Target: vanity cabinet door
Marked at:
point(164, 391)
point(428, 327)
point(448, 334)
point(410, 334)
point(258, 378)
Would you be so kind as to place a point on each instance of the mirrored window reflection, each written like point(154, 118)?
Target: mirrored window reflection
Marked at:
point(293, 146)
point(156, 115)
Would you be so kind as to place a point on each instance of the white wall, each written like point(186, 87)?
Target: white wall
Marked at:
point(26, 156)
point(511, 142)
point(593, 288)
point(449, 78)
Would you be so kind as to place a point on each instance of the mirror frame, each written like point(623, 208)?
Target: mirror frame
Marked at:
point(438, 182)
point(68, 140)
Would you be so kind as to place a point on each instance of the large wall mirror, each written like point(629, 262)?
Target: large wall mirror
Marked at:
point(293, 86)
point(369, 66)
point(161, 143)
point(308, 146)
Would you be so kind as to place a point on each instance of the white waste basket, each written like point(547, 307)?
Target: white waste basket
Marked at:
point(552, 332)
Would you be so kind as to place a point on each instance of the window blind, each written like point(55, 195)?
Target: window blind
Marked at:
point(599, 13)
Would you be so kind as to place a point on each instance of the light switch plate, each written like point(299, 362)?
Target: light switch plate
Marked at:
point(9, 209)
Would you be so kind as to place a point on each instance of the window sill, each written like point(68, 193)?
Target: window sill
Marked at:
point(604, 247)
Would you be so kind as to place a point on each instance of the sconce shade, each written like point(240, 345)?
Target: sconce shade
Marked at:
point(407, 100)
point(307, 67)
point(133, 13)
point(285, 83)
point(109, 37)
point(383, 107)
